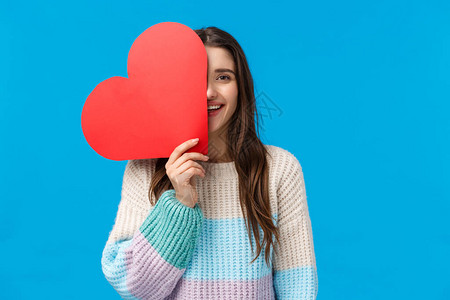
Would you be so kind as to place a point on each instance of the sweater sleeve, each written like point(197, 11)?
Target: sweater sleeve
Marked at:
point(294, 268)
point(149, 248)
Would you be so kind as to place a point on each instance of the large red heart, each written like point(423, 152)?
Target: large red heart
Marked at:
point(161, 104)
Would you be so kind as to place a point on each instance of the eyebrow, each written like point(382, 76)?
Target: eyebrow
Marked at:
point(225, 70)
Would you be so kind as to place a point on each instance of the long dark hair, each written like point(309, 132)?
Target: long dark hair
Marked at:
point(243, 146)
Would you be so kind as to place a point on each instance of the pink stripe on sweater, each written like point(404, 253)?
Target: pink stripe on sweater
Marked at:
point(149, 276)
point(224, 289)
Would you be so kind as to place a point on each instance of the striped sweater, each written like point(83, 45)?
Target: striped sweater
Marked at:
point(172, 251)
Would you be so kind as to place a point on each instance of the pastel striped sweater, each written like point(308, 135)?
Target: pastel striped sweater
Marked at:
point(172, 251)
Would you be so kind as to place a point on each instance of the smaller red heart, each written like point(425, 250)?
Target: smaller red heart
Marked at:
point(160, 105)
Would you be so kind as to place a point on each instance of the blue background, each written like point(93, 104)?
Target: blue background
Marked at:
point(359, 92)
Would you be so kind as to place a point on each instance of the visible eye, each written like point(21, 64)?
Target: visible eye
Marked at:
point(224, 76)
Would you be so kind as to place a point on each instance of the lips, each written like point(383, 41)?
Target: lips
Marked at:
point(214, 103)
point(214, 112)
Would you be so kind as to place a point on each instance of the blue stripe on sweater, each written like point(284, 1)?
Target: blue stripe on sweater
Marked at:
point(296, 283)
point(113, 266)
point(223, 252)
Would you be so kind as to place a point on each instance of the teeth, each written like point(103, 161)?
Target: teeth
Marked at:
point(213, 107)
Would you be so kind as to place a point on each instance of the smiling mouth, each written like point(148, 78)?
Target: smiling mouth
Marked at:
point(213, 112)
point(221, 105)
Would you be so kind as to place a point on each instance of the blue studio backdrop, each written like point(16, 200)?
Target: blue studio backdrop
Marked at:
point(358, 91)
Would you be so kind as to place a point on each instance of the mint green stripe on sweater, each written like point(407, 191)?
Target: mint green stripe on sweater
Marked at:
point(172, 228)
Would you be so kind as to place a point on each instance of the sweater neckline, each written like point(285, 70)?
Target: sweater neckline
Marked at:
point(219, 170)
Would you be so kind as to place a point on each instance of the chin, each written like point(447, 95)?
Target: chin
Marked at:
point(213, 130)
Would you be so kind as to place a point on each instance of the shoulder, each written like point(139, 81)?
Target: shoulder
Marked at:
point(281, 160)
point(285, 170)
point(140, 169)
point(136, 184)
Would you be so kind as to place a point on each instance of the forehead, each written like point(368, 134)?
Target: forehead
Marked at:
point(219, 58)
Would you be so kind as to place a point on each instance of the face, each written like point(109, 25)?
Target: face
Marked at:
point(222, 87)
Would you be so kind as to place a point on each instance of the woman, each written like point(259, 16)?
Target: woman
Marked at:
point(177, 236)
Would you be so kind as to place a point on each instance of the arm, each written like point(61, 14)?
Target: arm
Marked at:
point(294, 269)
point(149, 248)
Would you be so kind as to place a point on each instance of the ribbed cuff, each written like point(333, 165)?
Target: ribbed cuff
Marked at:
point(172, 228)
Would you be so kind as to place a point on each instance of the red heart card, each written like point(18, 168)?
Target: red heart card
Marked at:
point(160, 105)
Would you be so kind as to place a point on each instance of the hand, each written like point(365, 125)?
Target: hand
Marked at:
point(182, 169)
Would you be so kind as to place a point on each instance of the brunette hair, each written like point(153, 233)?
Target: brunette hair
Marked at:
point(243, 146)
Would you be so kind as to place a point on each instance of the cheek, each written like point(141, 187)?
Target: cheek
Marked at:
point(235, 98)
point(233, 95)
point(232, 105)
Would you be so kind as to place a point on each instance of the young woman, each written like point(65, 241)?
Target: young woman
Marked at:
point(179, 236)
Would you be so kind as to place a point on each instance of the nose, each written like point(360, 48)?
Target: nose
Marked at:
point(211, 93)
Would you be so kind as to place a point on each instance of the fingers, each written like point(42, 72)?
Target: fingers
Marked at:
point(189, 156)
point(190, 164)
point(180, 149)
point(194, 171)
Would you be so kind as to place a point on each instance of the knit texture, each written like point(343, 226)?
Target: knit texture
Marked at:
point(172, 251)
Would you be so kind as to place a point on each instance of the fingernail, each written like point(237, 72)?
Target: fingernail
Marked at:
point(195, 140)
point(207, 157)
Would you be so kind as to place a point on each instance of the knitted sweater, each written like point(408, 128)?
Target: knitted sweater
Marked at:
point(172, 251)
